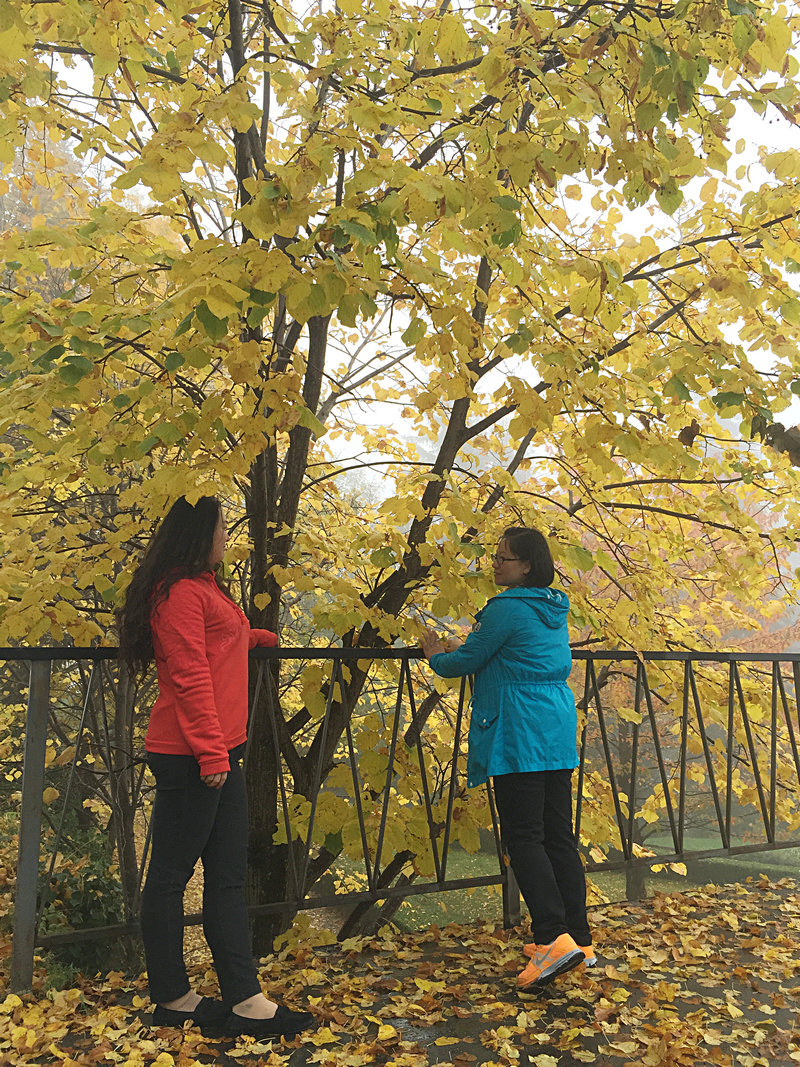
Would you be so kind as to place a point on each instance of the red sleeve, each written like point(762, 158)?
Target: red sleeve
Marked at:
point(179, 625)
point(263, 638)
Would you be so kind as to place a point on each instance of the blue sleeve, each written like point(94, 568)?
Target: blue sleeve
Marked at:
point(496, 624)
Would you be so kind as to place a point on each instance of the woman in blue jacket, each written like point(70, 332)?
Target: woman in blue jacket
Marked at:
point(523, 735)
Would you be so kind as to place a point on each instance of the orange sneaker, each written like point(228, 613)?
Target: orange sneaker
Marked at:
point(589, 957)
point(548, 961)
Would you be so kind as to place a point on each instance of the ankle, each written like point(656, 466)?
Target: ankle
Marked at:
point(188, 1002)
point(257, 1007)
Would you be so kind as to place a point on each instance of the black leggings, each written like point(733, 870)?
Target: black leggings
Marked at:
point(535, 811)
point(192, 821)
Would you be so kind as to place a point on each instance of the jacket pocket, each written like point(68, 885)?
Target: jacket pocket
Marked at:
point(485, 719)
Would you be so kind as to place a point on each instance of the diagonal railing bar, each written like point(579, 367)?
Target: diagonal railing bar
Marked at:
point(451, 794)
point(662, 770)
point(336, 676)
point(729, 753)
point(276, 744)
point(398, 714)
point(148, 837)
point(789, 724)
point(432, 830)
point(45, 890)
point(582, 753)
point(357, 794)
point(752, 750)
point(601, 720)
point(263, 667)
point(712, 778)
point(498, 841)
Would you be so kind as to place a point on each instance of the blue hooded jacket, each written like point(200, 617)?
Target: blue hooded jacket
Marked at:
point(523, 711)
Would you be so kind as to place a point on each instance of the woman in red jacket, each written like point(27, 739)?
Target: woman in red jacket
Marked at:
point(178, 611)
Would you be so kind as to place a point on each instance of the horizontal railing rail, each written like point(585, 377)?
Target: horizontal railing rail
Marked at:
point(676, 748)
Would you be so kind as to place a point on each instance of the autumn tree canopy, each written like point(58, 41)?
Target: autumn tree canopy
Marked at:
point(397, 238)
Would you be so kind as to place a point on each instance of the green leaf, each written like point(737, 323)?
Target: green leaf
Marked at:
point(273, 190)
point(214, 327)
point(317, 300)
point(173, 361)
point(169, 434)
point(359, 232)
point(727, 400)
point(74, 368)
point(86, 348)
point(81, 318)
point(348, 309)
point(261, 297)
point(51, 354)
point(121, 400)
point(676, 387)
point(736, 7)
point(647, 116)
point(382, 557)
point(145, 447)
point(434, 104)
point(578, 557)
point(507, 203)
point(744, 34)
point(130, 177)
point(310, 421)
point(414, 332)
point(790, 310)
point(669, 197)
point(333, 842)
point(184, 325)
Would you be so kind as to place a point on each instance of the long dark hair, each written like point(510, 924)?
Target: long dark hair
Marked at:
point(531, 545)
point(180, 548)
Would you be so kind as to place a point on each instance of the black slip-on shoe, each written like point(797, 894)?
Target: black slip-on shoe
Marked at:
point(284, 1023)
point(207, 1013)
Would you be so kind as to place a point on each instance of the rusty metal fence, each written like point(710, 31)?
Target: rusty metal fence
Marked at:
point(682, 755)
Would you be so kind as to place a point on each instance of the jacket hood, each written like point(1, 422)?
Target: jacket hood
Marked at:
point(549, 605)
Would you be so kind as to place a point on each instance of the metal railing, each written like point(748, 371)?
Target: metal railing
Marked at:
point(674, 747)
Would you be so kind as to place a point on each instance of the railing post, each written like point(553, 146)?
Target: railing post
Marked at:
point(30, 828)
point(511, 908)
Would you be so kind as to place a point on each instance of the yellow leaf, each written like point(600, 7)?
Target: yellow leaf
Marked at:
point(323, 1037)
point(446, 1041)
point(50, 794)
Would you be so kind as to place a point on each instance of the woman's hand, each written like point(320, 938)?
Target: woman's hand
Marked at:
point(452, 643)
point(430, 644)
point(214, 781)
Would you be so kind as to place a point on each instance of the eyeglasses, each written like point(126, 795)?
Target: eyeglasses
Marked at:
point(504, 559)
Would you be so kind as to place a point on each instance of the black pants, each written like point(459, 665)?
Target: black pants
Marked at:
point(191, 821)
point(535, 811)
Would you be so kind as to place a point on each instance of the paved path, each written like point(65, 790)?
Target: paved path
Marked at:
point(710, 976)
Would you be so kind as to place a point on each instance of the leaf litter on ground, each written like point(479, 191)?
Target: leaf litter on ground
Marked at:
point(706, 976)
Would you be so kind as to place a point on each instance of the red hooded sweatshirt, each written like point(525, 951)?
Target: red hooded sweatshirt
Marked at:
point(201, 640)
